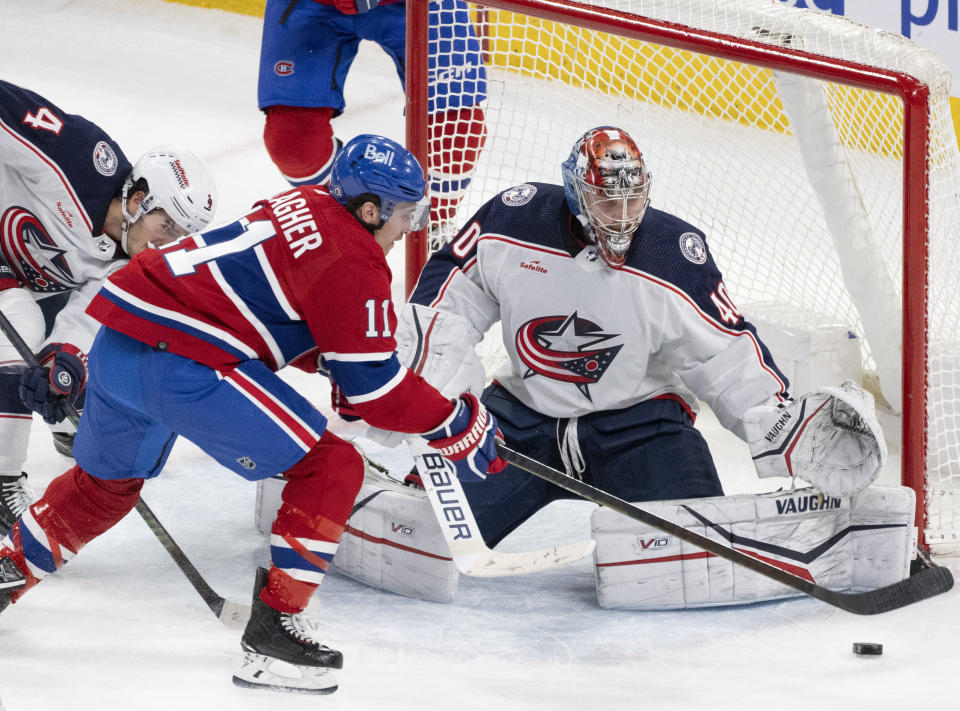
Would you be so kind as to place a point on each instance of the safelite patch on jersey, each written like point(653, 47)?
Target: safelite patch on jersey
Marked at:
point(693, 248)
point(105, 159)
point(519, 195)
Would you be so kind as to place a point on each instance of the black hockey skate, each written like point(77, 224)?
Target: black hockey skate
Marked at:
point(284, 639)
point(10, 579)
point(15, 497)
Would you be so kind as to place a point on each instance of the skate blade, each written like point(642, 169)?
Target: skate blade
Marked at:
point(261, 672)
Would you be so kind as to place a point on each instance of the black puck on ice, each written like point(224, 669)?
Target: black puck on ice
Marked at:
point(867, 648)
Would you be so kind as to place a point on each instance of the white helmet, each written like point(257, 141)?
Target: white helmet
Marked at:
point(177, 182)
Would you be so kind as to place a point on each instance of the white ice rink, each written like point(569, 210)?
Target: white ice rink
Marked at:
point(121, 629)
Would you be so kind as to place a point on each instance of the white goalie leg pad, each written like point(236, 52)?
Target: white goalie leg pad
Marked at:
point(847, 544)
point(830, 438)
point(392, 540)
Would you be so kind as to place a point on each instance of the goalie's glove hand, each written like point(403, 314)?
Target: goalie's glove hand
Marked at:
point(830, 438)
point(340, 404)
point(467, 439)
point(355, 7)
point(61, 377)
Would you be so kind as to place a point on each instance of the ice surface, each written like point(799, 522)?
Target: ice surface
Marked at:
point(120, 628)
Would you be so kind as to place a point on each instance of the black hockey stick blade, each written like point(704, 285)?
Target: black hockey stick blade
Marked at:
point(920, 586)
point(231, 614)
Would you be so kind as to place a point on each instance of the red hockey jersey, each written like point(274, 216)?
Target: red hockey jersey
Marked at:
point(296, 280)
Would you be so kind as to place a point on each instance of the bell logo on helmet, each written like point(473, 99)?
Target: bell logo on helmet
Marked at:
point(372, 154)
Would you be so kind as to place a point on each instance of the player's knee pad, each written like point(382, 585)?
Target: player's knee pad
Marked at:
point(853, 543)
point(301, 143)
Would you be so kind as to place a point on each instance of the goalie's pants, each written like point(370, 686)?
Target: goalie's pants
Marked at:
point(648, 452)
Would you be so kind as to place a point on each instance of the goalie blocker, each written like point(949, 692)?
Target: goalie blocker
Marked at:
point(393, 542)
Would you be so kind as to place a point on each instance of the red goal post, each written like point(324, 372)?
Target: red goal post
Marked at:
point(534, 41)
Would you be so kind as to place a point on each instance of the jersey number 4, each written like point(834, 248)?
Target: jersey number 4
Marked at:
point(45, 119)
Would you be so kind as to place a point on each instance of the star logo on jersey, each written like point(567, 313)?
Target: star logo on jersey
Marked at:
point(566, 348)
point(33, 254)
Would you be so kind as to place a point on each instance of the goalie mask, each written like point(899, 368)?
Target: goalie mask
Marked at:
point(607, 186)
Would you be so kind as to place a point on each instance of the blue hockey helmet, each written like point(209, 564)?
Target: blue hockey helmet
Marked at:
point(607, 186)
point(375, 164)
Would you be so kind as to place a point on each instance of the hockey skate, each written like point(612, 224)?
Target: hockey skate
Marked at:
point(11, 579)
point(15, 497)
point(280, 652)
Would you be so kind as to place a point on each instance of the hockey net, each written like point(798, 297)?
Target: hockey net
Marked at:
point(798, 141)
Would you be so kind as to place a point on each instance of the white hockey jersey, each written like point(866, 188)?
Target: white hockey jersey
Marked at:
point(583, 337)
point(58, 174)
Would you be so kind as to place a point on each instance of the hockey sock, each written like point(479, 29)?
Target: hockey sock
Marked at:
point(456, 139)
point(75, 509)
point(301, 143)
point(15, 421)
point(317, 500)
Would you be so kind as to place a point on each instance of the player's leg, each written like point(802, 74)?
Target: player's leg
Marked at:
point(303, 67)
point(15, 418)
point(78, 506)
point(458, 87)
point(503, 501)
point(648, 452)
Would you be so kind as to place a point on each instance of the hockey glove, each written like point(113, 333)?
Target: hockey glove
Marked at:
point(829, 437)
point(355, 7)
point(61, 377)
point(467, 439)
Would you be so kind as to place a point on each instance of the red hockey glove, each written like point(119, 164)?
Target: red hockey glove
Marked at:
point(61, 377)
point(467, 439)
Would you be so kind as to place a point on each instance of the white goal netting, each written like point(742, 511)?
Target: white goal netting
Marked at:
point(798, 182)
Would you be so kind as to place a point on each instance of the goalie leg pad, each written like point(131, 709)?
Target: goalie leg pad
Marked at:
point(851, 544)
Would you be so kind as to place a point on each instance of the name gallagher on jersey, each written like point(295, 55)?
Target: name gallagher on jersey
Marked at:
point(295, 218)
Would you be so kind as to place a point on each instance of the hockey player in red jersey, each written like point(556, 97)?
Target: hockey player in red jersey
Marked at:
point(198, 329)
point(72, 210)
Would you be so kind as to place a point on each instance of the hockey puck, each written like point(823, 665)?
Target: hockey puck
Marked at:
point(867, 648)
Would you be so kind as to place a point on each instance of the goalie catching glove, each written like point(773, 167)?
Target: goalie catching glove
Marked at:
point(830, 438)
point(467, 439)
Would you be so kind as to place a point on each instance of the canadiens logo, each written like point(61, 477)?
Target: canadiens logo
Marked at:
point(33, 254)
point(566, 348)
point(105, 159)
point(283, 68)
point(519, 195)
point(693, 247)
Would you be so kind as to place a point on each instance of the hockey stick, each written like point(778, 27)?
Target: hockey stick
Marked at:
point(232, 614)
point(920, 586)
point(467, 548)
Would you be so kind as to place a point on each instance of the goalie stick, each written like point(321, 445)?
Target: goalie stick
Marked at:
point(469, 552)
point(232, 614)
point(924, 584)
